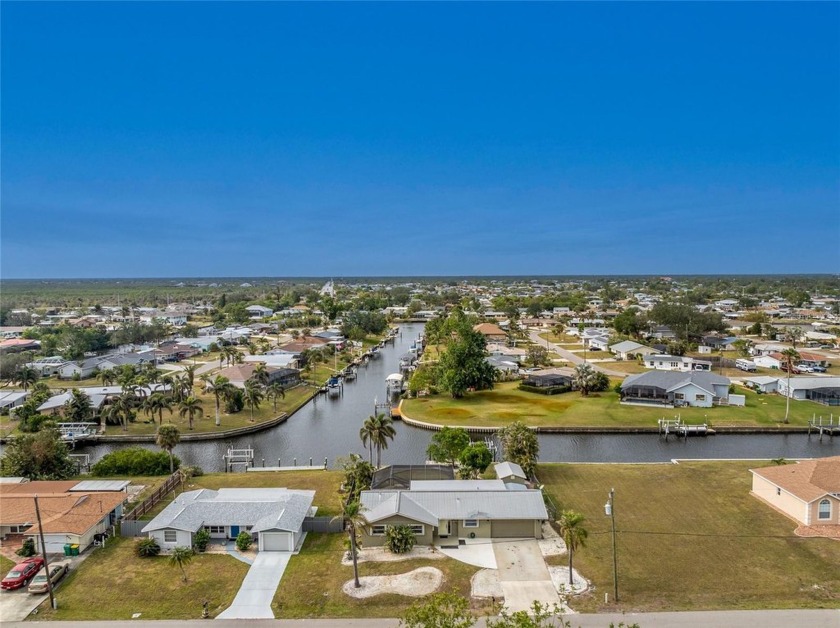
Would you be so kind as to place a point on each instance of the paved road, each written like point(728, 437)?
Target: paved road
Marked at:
point(699, 619)
point(574, 358)
point(254, 598)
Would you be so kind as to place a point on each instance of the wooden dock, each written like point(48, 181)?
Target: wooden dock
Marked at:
point(684, 430)
point(826, 427)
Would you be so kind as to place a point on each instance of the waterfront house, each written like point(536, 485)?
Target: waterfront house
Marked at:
point(273, 516)
point(824, 390)
point(807, 492)
point(241, 373)
point(695, 389)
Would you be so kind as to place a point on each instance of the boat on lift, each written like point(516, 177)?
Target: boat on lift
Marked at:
point(395, 383)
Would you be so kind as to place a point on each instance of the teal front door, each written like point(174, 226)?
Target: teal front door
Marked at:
point(234, 531)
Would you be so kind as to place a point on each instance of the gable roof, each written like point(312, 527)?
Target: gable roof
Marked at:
point(808, 480)
point(489, 329)
point(629, 345)
point(674, 380)
point(262, 508)
point(509, 469)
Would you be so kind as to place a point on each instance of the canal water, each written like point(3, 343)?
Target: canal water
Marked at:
point(329, 428)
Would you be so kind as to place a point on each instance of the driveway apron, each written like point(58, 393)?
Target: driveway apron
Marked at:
point(253, 601)
point(523, 574)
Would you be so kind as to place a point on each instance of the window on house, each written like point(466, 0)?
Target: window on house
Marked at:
point(170, 536)
point(825, 510)
point(679, 396)
point(418, 529)
point(377, 530)
point(470, 523)
point(700, 397)
point(674, 365)
point(215, 529)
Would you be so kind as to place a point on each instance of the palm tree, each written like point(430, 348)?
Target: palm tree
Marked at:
point(107, 377)
point(252, 397)
point(189, 376)
point(181, 556)
point(150, 371)
point(353, 520)
point(167, 438)
point(121, 410)
point(221, 388)
point(366, 433)
point(157, 402)
point(791, 356)
point(25, 376)
point(190, 407)
point(573, 533)
point(275, 390)
point(584, 378)
point(383, 430)
point(261, 375)
point(78, 407)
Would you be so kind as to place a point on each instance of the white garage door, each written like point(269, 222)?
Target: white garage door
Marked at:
point(277, 541)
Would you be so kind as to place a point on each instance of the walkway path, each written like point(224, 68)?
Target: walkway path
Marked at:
point(571, 357)
point(257, 591)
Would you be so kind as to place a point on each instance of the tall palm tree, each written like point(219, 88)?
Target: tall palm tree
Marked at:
point(121, 410)
point(221, 388)
point(181, 556)
point(260, 375)
point(574, 535)
point(189, 376)
point(167, 438)
point(353, 520)
point(275, 390)
point(383, 431)
point(150, 370)
point(190, 407)
point(78, 407)
point(26, 376)
point(157, 402)
point(252, 397)
point(366, 433)
point(791, 356)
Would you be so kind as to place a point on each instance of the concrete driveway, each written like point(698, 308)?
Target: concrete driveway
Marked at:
point(17, 605)
point(523, 574)
point(253, 601)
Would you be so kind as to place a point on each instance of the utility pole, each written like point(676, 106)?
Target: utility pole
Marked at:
point(609, 510)
point(44, 552)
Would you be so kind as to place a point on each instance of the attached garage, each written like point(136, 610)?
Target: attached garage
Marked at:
point(277, 542)
point(509, 529)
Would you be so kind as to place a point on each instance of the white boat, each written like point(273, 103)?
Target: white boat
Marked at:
point(395, 383)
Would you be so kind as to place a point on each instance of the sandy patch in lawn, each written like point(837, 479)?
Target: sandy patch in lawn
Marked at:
point(422, 581)
point(485, 583)
point(560, 579)
point(551, 544)
point(384, 555)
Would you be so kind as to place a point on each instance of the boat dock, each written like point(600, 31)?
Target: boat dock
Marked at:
point(244, 456)
point(824, 426)
point(295, 466)
point(684, 430)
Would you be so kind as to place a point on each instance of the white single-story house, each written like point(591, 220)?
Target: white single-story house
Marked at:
point(762, 383)
point(448, 511)
point(600, 343)
point(695, 388)
point(808, 491)
point(48, 366)
point(273, 516)
point(769, 360)
point(629, 349)
point(663, 362)
point(824, 390)
point(12, 399)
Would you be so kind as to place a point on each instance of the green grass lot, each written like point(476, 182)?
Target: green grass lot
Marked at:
point(691, 537)
point(311, 586)
point(505, 404)
point(6, 565)
point(324, 483)
point(564, 340)
point(113, 584)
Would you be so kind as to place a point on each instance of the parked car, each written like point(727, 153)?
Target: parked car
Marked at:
point(22, 573)
point(57, 571)
point(818, 369)
point(805, 368)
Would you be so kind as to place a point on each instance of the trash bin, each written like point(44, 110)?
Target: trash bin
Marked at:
point(67, 549)
point(74, 550)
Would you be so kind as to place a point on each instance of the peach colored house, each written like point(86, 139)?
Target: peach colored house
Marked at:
point(808, 491)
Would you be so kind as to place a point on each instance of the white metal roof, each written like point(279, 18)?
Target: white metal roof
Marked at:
point(100, 485)
point(509, 469)
point(457, 485)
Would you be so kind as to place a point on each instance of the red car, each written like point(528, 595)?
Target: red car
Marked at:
point(22, 573)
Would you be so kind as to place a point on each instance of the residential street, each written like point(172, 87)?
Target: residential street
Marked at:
point(574, 358)
point(698, 619)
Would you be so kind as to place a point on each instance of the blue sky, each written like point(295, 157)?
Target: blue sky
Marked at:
point(263, 139)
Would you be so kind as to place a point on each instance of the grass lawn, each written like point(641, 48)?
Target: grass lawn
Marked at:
point(691, 537)
point(113, 584)
point(324, 483)
point(311, 586)
point(505, 404)
point(6, 565)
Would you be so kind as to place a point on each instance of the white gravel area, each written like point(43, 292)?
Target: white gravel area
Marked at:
point(551, 544)
point(416, 583)
point(384, 555)
point(485, 583)
point(560, 579)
